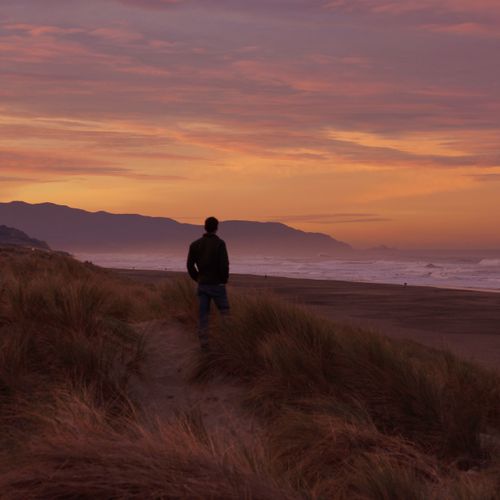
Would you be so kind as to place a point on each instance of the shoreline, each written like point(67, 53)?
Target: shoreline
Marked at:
point(464, 321)
point(169, 272)
point(450, 274)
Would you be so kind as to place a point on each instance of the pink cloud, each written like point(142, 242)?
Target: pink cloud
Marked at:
point(150, 4)
point(467, 28)
point(117, 34)
point(40, 30)
point(325, 78)
point(399, 7)
point(274, 89)
point(34, 45)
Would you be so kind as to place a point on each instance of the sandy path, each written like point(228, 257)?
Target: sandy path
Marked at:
point(166, 392)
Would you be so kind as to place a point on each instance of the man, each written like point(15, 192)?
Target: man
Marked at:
point(208, 265)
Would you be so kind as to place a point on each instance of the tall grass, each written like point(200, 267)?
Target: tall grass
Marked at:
point(69, 343)
point(63, 322)
point(79, 453)
point(312, 381)
point(345, 413)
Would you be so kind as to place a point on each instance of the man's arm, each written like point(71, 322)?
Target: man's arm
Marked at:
point(191, 264)
point(223, 263)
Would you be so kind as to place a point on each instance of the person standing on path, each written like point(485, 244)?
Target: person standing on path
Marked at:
point(208, 265)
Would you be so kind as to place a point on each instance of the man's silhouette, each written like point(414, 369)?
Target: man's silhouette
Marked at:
point(208, 265)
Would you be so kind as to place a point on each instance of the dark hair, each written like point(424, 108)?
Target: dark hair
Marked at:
point(211, 225)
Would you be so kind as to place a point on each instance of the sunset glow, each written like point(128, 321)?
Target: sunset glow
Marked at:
point(375, 121)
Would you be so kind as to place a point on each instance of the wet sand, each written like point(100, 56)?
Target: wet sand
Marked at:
point(467, 322)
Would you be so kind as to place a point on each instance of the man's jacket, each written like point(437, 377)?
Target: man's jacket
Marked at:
point(207, 262)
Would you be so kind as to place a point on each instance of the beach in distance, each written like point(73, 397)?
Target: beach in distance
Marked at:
point(466, 322)
point(444, 269)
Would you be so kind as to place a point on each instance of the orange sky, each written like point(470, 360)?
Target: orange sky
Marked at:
point(377, 122)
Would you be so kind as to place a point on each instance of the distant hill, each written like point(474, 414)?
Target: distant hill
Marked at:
point(78, 230)
point(13, 237)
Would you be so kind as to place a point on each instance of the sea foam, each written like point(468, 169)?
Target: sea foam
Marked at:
point(452, 273)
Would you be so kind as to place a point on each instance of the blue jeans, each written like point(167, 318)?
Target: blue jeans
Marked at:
point(207, 293)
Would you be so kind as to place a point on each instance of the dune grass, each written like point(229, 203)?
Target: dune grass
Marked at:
point(79, 453)
point(63, 322)
point(349, 412)
point(345, 413)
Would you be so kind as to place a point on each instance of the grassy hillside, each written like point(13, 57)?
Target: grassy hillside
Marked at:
point(344, 413)
point(352, 414)
point(13, 237)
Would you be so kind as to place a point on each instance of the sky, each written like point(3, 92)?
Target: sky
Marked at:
point(374, 121)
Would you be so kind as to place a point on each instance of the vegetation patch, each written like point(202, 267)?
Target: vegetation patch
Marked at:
point(345, 413)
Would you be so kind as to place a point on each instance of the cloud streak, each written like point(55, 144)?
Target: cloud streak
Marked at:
point(150, 4)
point(59, 168)
point(331, 219)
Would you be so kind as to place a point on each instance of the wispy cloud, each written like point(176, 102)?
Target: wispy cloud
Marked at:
point(20, 180)
point(495, 177)
point(59, 167)
point(465, 29)
point(150, 4)
point(334, 218)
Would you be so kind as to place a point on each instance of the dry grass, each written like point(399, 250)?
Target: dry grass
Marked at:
point(415, 415)
point(347, 414)
point(61, 321)
point(79, 453)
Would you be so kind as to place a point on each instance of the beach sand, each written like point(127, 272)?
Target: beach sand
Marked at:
point(466, 322)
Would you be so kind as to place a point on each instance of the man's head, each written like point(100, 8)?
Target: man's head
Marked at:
point(211, 225)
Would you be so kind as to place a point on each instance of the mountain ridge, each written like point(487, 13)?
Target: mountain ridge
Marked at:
point(76, 229)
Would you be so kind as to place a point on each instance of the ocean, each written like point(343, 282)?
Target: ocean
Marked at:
point(456, 270)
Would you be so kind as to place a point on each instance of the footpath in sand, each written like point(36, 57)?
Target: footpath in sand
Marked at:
point(166, 390)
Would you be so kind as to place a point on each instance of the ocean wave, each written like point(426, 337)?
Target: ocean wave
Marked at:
point(478, 274)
